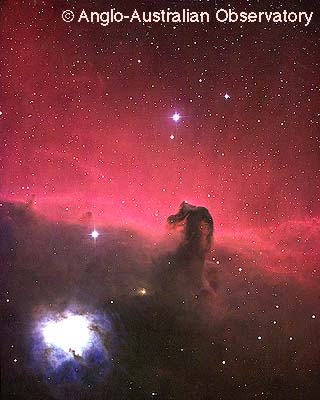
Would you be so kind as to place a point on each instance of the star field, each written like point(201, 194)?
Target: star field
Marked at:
point(104, 132)
point(86, 117)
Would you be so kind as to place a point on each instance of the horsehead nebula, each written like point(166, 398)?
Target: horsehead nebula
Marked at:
point(159, 201)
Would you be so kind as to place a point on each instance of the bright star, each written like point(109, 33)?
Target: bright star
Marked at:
point(94, 234)
point(226, 96)
point(176, 117)
point(71, 334)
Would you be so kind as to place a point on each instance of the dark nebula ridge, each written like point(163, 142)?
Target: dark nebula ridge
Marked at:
point(175, 317)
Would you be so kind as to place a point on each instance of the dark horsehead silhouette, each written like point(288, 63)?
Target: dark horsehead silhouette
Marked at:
point(198, 228)
point(184, 267)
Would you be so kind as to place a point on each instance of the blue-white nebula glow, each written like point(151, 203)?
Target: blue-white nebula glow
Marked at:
point(73, 346)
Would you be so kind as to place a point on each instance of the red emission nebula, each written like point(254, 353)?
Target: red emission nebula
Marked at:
point(87, 124)
point(105, 131)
